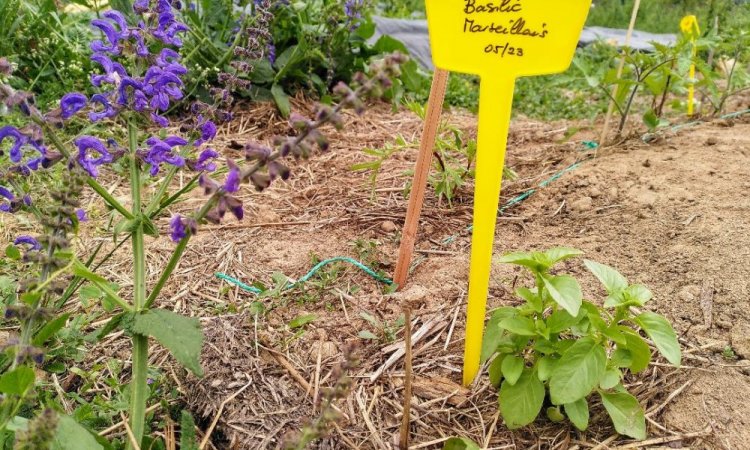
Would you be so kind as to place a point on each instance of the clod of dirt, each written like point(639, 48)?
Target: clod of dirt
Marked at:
point(327, 350)
point(711, 141)
point(388, 226)
point(740, 339)
point(413, 295)
point(583, 204)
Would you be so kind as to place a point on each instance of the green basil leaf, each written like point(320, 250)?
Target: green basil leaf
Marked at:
point(578, 372)
point(612, 280)
point(566, 291)
point(522, 326)
point(626, 413)
point(521, 403)
point(512, 368)
point(578, 413)
point(663, 335)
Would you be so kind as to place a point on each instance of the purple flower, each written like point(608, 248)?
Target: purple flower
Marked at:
point(113, 71)
point(141, 6)
point(72, 103)
point(232, 182)
point(19, 140)
point(161, 152)
point(180, 226)
point(178, 231)
point(29, 241)
point(112, 35)
point(82, 216)
point(6, 206)
point(205, 161)
point(122, 89)
point(107, 112)
point(208, 132)
point(272, 53)
point(91, 154)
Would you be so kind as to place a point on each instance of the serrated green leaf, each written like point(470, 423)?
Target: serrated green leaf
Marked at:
point(188, 440)
point(626, 413)
point(612, 280)
point(663, 336)
point(578, 413)
point(521, 403)
point(70, 435)
point(522, 326)
point(17, 381)
point(181, 335)
point(565, 291)
point(89, 292)
point(578, 372)
point(512, 368)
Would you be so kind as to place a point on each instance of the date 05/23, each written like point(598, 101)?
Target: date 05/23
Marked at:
point(504, 50)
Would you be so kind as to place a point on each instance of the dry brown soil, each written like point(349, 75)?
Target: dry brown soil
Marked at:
point(673, 214)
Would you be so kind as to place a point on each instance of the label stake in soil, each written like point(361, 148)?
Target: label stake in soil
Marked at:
point(691, 29)
point(499, 41)
point(422, 171)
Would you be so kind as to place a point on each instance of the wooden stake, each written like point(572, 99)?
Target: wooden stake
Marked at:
point(620, 68)
point(421, 172)
point(406, 419)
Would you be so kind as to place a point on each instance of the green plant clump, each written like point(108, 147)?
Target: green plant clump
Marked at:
point(559, 350)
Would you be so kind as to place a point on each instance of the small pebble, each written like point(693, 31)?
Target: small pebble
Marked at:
point(388, 226)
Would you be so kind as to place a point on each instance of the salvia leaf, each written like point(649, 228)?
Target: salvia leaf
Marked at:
point(578, 413)
point(71, 435)
point(578, 372)
point(181, 335)
point(512, 368)
point(565, 291)
point(612, 280)
point(663, 335)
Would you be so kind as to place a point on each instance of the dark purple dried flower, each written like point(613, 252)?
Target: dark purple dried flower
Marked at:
point(233, 180)
point(180, 226)
point(71, 103)
point(178, 231)
point(91, 154)
point(32, 243)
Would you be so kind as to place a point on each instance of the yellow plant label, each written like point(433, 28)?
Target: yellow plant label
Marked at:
point(498, 40)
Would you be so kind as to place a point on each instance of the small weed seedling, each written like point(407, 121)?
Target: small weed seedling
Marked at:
point(385, 330)
point(561, 347)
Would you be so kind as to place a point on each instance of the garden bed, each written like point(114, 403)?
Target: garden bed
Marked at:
point(672, 215)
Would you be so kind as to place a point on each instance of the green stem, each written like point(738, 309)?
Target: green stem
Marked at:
point(178, 252)
point(98, 188)
point(138, 384)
